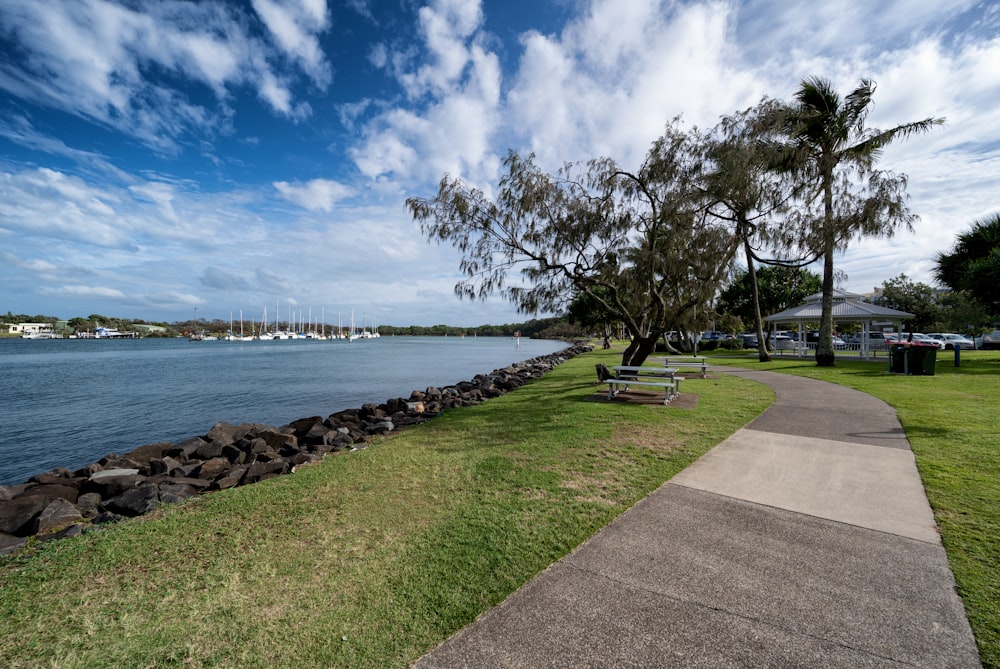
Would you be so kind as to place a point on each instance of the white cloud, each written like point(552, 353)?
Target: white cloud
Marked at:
point(91, 57)
point(452, 132)
point(84, 291)
point(315, 195)
point(295, 26)
point(615, 76)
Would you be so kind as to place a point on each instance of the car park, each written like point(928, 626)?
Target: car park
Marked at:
point(952, 341)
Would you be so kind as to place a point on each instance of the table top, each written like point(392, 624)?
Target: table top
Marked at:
point(659, 371)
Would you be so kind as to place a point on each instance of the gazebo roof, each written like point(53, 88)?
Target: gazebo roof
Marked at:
point(844, 309)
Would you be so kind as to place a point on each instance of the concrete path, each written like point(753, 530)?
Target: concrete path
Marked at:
point(803, 540)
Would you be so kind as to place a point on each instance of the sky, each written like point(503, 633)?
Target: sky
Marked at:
point(167, 159)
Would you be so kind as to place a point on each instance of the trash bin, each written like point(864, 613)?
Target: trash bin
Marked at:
point(897, 358)
point(923, 360)
point(912, 359)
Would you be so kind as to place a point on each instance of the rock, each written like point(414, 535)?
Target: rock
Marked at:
point(171, 493)
point(86, 472)
point(87, 504)
point(165, 465)
point(119, 463)
point(226, 433)
point(112, 482)
point(74, 530)
point(55, 476)
point(197, 484)
point(10, 543)
point(211, 469)
point(17, 516)
point(144, 454)
point(135, 502)
point(232, 478)
point(107, 517)
point(185, 449)
point(259, 471)
point(233, 454)
point(53, 491)
point(208, 450)
point(59, 512)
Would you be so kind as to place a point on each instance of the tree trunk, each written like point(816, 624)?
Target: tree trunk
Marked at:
point(825, 355)
point(762, 354)
point(639, 349)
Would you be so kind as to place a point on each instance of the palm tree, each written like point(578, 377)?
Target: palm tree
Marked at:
point(973, 265)
point(830, 132)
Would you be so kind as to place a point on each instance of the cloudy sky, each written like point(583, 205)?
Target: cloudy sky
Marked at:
point(163, 156)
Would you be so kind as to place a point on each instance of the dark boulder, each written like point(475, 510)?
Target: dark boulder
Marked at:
point(171, 493)
point(209, 450)
point(260, 471)
point(18, 516)
point(165, 465)
point(88, 504)
point(185, 449)
point(211, 469)
point(135, 502)
point(10, 543)
point(53, 491)
point(57, 513)
point(55, 476)
point(232, 478)
point(144, 454)
point(227, 433)
point(112, 482)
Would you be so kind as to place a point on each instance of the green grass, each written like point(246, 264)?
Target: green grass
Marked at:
point(952, 420)
point(368, 559)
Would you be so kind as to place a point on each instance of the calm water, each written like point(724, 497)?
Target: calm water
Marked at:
point(67, 403)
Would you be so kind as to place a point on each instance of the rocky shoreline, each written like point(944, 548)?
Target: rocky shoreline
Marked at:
point(63, 503)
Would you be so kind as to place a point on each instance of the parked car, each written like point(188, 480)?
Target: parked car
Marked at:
point(782, 342)
point(952, 341)
point(924, 340)
point(990, 340)
point(875, 338)
point(812, 337)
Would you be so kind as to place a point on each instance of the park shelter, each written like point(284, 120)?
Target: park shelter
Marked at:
point(847, 308)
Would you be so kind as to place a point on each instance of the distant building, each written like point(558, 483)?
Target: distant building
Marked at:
point(30, 328)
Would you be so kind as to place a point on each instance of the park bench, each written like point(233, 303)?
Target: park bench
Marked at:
point(685, 362)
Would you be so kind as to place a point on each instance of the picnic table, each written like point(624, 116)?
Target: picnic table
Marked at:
point(654, 377)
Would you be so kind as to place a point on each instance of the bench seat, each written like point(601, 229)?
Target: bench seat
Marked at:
point(614, 386)
point(703, 365)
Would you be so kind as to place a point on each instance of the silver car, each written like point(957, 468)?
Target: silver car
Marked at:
point(990, 340)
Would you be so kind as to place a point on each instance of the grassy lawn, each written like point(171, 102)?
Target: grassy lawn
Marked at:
point(367, 559)
point(952, 420)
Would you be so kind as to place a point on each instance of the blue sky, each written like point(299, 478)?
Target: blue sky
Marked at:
point(164, 156)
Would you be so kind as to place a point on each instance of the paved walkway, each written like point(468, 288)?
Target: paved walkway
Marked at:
point(803, 540)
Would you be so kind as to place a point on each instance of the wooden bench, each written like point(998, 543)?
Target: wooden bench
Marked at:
point(615, 387)
point(695, 363)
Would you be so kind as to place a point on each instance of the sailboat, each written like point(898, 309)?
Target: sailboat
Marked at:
point(353, 334)
point(264, 335)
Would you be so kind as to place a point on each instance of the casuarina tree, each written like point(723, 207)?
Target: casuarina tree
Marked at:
point(637, 243)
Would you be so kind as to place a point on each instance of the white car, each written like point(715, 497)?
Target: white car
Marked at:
point(952, 341)
point(925, 340)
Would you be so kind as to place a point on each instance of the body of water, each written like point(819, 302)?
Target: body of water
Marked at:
point(70, 402)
